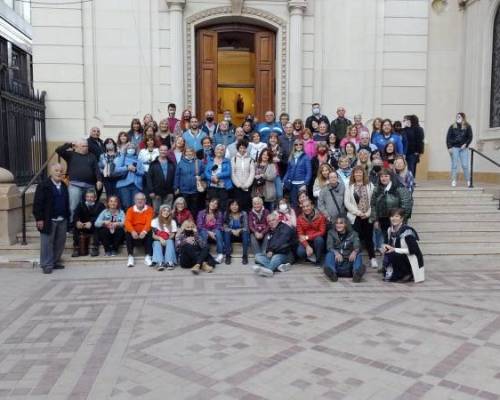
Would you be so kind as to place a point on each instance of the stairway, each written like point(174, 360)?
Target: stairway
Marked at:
point(450, 222)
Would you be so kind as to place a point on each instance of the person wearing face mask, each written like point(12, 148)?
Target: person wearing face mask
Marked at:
point(404, 260)
point(209, 126)
point(377, 165)
point(458, 140)
point(131, 169)
point(84, 229)
point(316, 116)
point(286, 214)
point(415, 141)
point(51, 213)
point(107, 167)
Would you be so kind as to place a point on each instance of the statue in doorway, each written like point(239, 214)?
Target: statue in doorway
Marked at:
point(240, 104)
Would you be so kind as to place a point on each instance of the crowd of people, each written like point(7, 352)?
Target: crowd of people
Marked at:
point(319, 191)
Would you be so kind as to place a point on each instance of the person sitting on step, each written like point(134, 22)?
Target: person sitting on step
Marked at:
point(164, 229)
point(403, 258)
point(236, 230)
point(109, 226)
point(257, 226)
point(84, 231)
point(192, 249)
point(138, 229)
point(210, 227)
point(343, 258)
point(278, 253)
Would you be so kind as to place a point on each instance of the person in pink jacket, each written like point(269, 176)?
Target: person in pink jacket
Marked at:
point(309, 144)
point(351, 136)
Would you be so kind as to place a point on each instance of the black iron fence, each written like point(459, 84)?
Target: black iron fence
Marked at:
point(23, 146)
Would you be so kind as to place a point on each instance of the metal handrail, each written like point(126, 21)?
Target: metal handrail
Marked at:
point(472, 151)
point(23, 196)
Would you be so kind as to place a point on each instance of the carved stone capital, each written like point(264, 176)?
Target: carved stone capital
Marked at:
point(297, 5)
point(176, 4)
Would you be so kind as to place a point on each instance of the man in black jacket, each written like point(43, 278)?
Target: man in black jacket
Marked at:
point(160, 180)
point(51, 212)
point(316, 116)
point(339, 125)
point(280, 241)
point(83, 171)
point(85, 216)
point(96, 145)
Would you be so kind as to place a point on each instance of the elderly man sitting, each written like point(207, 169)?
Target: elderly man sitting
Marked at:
point(138, 229)
point(280, 241)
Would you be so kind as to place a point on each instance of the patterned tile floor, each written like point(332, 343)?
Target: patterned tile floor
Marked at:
point(107, 332)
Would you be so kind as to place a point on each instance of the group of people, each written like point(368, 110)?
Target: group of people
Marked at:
point(317, 191)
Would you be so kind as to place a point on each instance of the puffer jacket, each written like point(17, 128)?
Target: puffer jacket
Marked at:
point(185, 175)
point(313, 228)
point(385, 198)
point(223, 173)
point(458, 135)
point(343, 244)
point(299, 170)
point(242, 171)
point(121, 167)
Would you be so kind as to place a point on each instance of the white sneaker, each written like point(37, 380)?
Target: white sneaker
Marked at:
point(373, 262)
point(130, 262)
point(388, 273)
point(256, 269)
point(453, 183)
point(266, 272)
point(312, 258)
point(468, 183)
point(219, 258)
point(147, 261)
point(284, 267)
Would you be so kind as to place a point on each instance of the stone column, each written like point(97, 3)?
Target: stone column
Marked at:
point(295, 57)
point(177, 63)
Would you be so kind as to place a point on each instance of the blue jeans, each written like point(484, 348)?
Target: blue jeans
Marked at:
point(244, 238)
point(164, 254)
point(76, 196)
point(378, 239)
point(219, 239)
point(271, 263)
point(462, 155)
point(294, 193)
point(127, 194)
point(279, 187)
point(411, 160)
point(343, 268)
point(318, 246)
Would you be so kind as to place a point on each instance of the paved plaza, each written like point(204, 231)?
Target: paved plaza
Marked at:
point(108, 332)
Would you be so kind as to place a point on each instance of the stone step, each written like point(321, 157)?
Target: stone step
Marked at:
point(463, 227)
point(427, 187)
point(460, 249)
point(459, 237)
point(465, 201)
point(493, 217)
point(457, 209)
point(453, 194)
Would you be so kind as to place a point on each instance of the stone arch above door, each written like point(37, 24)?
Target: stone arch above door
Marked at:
point(248, 15)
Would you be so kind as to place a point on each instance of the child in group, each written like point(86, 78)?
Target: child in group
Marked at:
point(164, 229)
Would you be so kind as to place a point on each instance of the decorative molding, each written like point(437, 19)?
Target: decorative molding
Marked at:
point(179, 4)
point(237, 6)
point(251, 13)
point(300, 5)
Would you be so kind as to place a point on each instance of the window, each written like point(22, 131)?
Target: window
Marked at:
point(495, 75)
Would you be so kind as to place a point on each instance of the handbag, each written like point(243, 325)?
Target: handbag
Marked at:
point(162, 234)
point(341, 214)
point(201, 185)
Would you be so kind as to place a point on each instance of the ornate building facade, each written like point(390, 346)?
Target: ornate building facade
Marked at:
point(104, 62)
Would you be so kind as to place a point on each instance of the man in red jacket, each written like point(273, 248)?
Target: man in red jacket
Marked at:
point(311, 230)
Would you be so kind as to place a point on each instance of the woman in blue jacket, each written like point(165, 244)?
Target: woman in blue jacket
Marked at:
point(132, 169)
point(218, 176)
point(299, 171)
point(188, 171)
point(387, 135)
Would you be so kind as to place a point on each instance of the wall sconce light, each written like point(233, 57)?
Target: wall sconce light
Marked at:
point(439, 5)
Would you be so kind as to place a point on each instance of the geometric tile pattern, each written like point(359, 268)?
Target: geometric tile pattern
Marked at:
point(111, 333)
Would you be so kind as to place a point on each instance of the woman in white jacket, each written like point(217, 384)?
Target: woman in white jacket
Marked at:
point(242, 175)
point(357, 198)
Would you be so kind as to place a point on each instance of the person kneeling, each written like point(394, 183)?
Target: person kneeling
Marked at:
point(193, 249)
point(84, 230)
point(403, 258)
point(343, 258)
point(164, 228)
point(280, 241)
point(138, 227)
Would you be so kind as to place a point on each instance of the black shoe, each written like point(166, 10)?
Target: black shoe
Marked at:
point(58, 266)
point(357, 277)
point(47, 270)
point(94, 252)
point(75, 253)
point(330, 274)
point(245, 260)
point(228, 260)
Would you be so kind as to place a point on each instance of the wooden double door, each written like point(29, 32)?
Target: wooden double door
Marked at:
point(235, 71)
